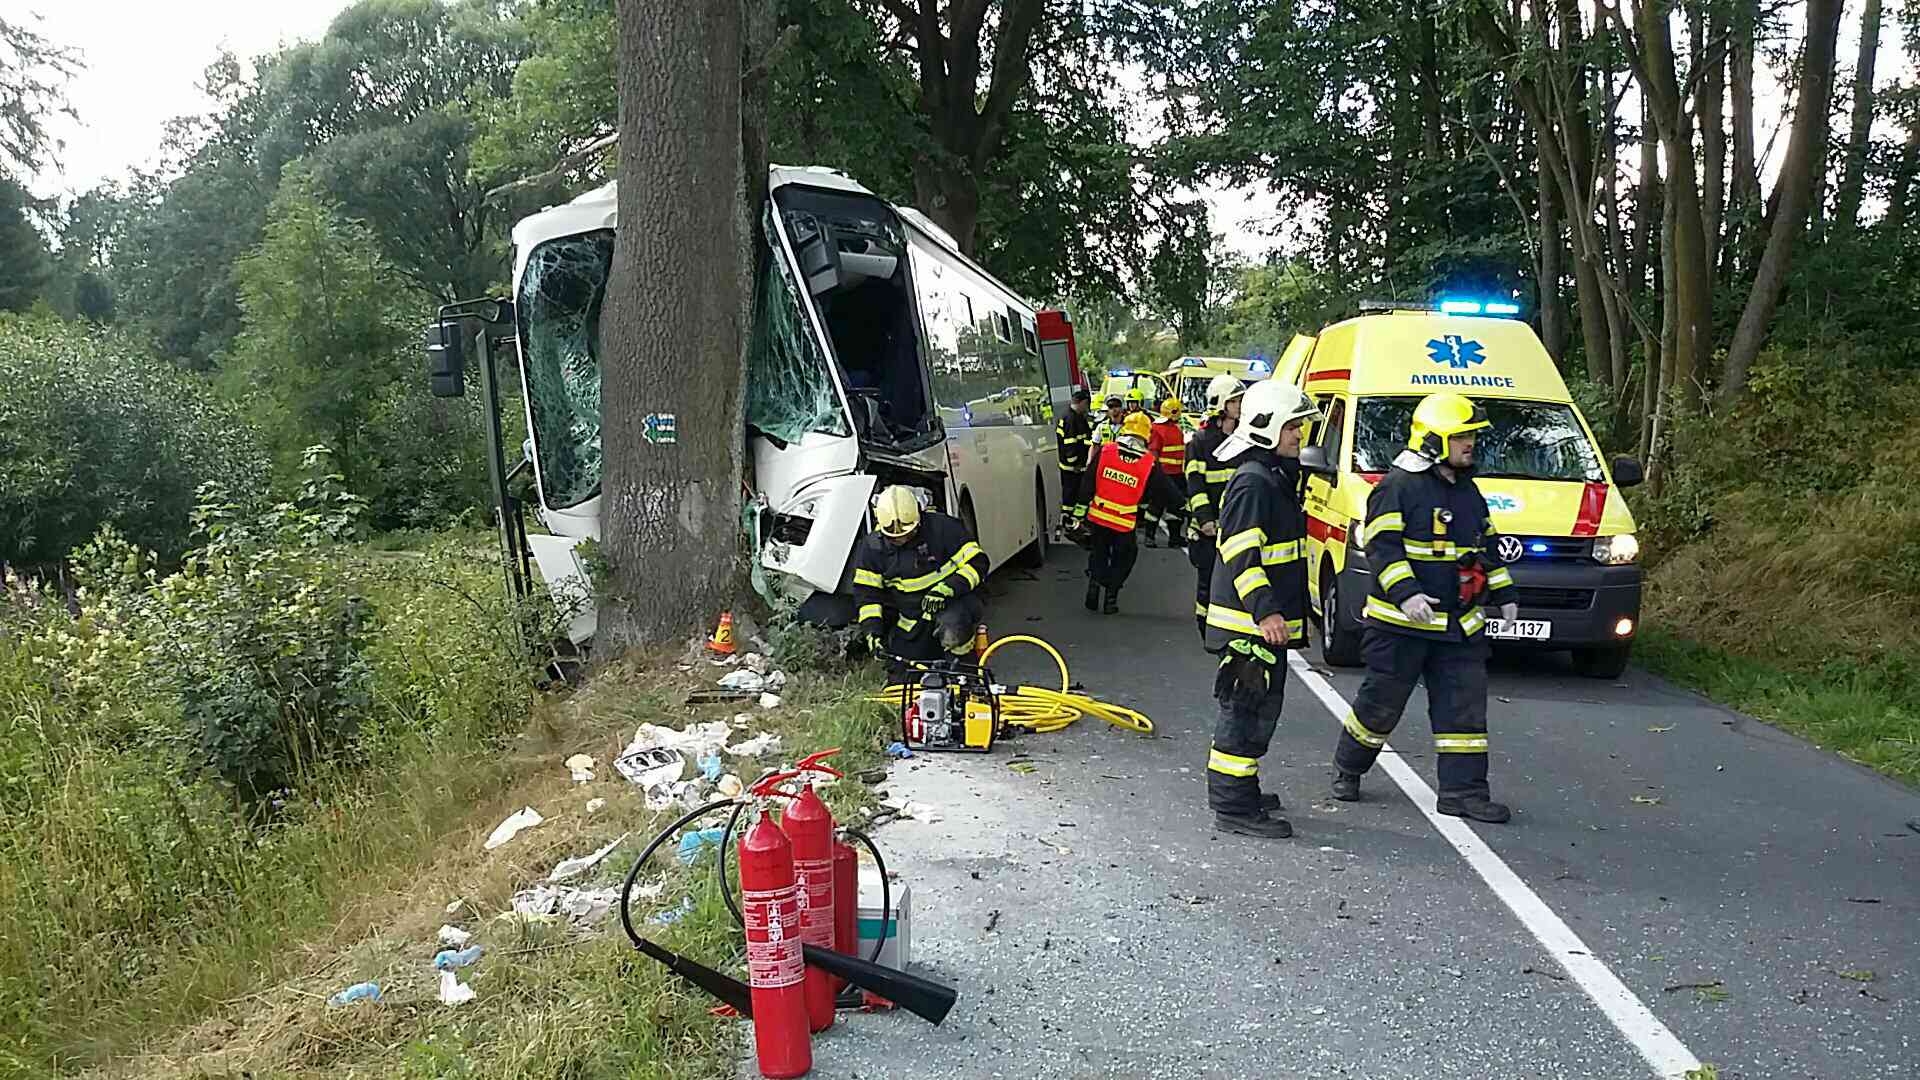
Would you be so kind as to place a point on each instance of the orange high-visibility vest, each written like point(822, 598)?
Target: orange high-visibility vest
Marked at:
point(1169, 443)
point(1118, 487)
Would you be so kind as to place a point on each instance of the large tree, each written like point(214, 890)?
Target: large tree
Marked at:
point(34, 71)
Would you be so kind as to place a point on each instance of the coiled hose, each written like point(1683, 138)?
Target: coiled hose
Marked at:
point(1038, 709)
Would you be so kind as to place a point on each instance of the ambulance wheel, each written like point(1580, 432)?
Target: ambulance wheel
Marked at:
point(1608, 662)
point(1034, 555)
point(1339, 639)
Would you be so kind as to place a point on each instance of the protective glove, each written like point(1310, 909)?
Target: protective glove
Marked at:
point(1509, 612)
point(1208, 529)
point(875, 646)
point(1418, 607)
point(932, 602)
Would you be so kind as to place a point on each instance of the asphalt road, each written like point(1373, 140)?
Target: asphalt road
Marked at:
point(1758, 895)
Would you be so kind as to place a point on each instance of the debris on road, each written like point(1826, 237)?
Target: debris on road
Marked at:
point(1863, 899)
point(453, 937)
point(1856, 976)
point(365, 991)
point(993, 920)
point(1023, 766)
point(1659, 730)
point(1647, 800)
point(899, 749)
point(581, 766)
point(453, 991)
point(568, 869)
point(1531, 970)
point(524, 818)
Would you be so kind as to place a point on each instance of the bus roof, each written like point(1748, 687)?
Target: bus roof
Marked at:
point(1420, 352)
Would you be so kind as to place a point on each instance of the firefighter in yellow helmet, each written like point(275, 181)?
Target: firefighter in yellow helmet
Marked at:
point(916, 579)
point(1428, 535)
point(1124, 483)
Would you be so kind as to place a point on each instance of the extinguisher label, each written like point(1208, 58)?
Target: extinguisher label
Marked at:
point(773, 919)
point(815, 878)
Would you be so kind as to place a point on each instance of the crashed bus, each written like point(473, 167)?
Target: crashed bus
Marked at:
point(880, 354)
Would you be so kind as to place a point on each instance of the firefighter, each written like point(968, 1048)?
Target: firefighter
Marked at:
point(1108, 429)
point(1136, 401)
point(1427, 535)
point(1168, 443)
point(1206, 479)
point(1074, 433)
point(1258, 604)
point(917, 580)
point(1124, 483)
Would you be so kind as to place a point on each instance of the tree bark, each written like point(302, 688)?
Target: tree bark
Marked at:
point(1691, 277)
point(1854, 178)
point(1645, 220)
point(1806, 150)
point(1711, 101)
point(1744, 204)
point(673, 342)
point(1552, 268)
point(1900, 195)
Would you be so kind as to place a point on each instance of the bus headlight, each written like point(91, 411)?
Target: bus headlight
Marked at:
point(1616, 550)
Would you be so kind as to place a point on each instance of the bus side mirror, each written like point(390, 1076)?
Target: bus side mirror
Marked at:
point(1313, 459)
point(446, 359)
point(1627, 471)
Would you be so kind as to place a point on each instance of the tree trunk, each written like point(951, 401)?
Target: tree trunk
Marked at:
point(1900, 195)
point(1745, 201)
point(1692, 279)
point(673, 342)
point(1552, 268)
point(1645, 221)
point(950, 195)
point(1806, 150)
point(1860, 139)
point(1713, 136)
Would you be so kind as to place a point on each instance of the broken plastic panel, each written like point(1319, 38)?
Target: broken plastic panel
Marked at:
point(790, 389)
point(562, 293)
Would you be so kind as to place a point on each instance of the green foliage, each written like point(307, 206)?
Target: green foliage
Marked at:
point(33, 77)
point(25, 267)
point(1267, 305)
point(95, 432)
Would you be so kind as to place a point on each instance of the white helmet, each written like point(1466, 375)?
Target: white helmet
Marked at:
point(1222, 389)
point(1268, 407)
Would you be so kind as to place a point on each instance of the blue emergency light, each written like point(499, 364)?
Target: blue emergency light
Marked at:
point(1192, 361)
point(1121, 372)
point(1259, 367)
point(1499, 307)
point(1537, 548)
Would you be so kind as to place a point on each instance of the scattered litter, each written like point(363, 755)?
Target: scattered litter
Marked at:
point(1661, 730)
point(594, 806)
point(454, 907)
point(672, 915)
point(1055, 844)
point(1115, 941)
point(365, 991)
point(1856, 976)
point(766, 742)
point(993, 919)
point(1318, 1010)
point(694, 742)
point(1024, 767)
point(448, 959)
point(1864, 992)
point(524, 818)
point(1693, 986)
point(581, 905)
point(453, 937)
point(573, 868)
point(742, 719)
point(1190, 901)
point(777, 681)
point(730, 786)
point(1863, 899)
point(453, 991)
point(710, 767)
point(1531, 970)
point(691, 843)
point(751, 682)
point(1647, 800)
point(649, 892)
point(919, 811)
point(899, 749)
point(754, 662)
point(873, 776)
point(1506, 700)
point(581, 766)
point(769, 701)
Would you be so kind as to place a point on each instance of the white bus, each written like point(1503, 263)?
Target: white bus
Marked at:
point(880, 355)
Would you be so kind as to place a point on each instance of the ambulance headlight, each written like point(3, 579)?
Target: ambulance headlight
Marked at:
point(1616, 550)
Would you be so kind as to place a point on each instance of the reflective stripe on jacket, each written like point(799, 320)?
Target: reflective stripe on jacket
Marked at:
point(1419, 525)
point(1260, 565)
point(893, 578)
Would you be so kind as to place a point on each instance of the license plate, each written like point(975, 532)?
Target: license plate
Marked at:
point(1520, 629)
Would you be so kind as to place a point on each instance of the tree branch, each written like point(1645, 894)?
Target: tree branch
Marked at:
point(566, 164)
point(1010, 73)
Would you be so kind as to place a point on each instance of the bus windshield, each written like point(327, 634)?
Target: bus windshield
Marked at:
point(1529, 440)
point(560, 297)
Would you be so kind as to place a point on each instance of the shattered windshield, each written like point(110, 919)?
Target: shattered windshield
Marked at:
point(561, 295)
point(789, 389)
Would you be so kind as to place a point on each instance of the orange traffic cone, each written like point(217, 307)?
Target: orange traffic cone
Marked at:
point(979, 642)
point(722, 641)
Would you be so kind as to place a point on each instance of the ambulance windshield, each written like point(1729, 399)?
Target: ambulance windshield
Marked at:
point(1529, 440)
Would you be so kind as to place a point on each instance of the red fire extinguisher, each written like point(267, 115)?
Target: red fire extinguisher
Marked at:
point(846, 904)
point(809, 825)
point(771, 908)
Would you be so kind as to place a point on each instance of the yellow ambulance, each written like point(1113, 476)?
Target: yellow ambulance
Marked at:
point(1566, 534)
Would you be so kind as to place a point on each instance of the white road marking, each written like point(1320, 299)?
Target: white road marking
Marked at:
point(1662, 1049)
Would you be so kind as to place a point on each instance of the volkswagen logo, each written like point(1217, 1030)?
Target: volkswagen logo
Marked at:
point(1509, 549)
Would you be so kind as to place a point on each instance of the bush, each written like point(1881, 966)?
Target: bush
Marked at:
point(94, 432)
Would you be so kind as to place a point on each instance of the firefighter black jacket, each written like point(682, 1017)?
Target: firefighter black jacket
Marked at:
point(1260, 566)
point(890, 578)
point(1419, 525)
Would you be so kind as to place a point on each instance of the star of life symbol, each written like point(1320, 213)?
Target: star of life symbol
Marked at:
point(1455, 351)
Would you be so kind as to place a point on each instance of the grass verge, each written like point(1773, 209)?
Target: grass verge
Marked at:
point(1850, 711)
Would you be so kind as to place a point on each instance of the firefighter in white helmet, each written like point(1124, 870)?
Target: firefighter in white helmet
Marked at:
point(1206, 480)
point(916, 579)
point(1258, 604)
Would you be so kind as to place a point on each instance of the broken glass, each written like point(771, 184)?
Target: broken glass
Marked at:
point(562, 292)
point(789, 387)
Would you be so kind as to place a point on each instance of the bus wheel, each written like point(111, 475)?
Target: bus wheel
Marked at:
point(1339, 641)
point(1034, 555)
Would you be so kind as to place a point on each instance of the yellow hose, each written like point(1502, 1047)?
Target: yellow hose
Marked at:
point(1039, 709)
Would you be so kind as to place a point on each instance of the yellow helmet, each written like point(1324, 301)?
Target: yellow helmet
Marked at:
point(1170, 408)
point(1138, 426)
point(1438, 418)
point(1137, 396)
point(896, 511)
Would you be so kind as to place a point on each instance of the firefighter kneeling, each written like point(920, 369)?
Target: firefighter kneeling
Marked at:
point(916, 578)
point(1257, 605)
point(1428, 531)
point(1123, 477)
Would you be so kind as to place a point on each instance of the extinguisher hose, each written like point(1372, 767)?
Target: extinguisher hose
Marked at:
point(886, 886)
point(720, 985)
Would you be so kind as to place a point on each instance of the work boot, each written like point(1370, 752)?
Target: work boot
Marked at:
point(1261, 824)
point(1270, 801)
point(1346, 787)
point(1112, 606)
point(1093, 596)
point(1477, 807)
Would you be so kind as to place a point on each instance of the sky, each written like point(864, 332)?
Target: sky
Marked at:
point(144, 63)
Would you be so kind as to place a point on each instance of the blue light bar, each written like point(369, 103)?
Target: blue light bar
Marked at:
point(1537, 548)
point(1121, 372)
point(1460, 307)
point(1192, 361)
point(1259, 366)
point(1498, 307)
